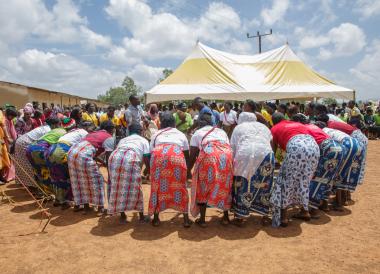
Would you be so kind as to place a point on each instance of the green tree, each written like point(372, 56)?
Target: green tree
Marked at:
point(120, 95)
point(130, 86)
point(329, 101)
point(165, 73)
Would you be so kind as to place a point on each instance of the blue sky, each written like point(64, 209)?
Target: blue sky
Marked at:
point(86, 46)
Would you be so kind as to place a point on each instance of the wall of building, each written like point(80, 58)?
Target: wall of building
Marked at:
point(19, 95)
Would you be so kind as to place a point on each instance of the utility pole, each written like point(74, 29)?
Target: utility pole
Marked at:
point(259, 36)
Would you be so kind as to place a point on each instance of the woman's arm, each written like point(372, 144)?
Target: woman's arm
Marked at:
point(194, 152)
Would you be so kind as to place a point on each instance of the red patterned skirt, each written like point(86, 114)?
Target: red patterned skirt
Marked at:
point(212, 177)
point(168, 173)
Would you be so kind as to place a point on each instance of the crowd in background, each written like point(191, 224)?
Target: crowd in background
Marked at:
point(63, 146)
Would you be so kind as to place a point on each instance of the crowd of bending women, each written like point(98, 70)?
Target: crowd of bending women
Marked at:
point(323, 162)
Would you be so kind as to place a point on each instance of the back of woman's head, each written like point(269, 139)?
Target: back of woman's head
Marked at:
point(167, 119)
point(320, 124)
point(11, 112)
point(251, 105)
point(300, 118)
point(53, 122)
point(107, 126)
point(277, 117)
point(204, 119)
point(323, 118)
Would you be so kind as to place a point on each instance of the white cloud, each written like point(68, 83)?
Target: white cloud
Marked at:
point(23, 19)
point(367, 8)
point(60, 72)
point(163, 35)
point(345, 40)
point(146, 76)
point(368, 69)
point(274, 14)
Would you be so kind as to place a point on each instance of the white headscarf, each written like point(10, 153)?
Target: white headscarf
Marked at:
point(247, 117)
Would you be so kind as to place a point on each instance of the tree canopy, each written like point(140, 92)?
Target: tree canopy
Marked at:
point(165, 73)
point(120, 95)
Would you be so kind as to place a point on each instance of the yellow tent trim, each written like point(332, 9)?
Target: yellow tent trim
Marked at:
point(289, 73)
point(199, 71)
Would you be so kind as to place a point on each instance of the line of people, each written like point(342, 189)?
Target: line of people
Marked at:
point(232, 173)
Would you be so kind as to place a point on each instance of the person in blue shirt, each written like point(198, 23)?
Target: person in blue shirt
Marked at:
point(214, 108)
point(203, 109)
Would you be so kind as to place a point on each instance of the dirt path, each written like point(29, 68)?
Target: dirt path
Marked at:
point(336, 243)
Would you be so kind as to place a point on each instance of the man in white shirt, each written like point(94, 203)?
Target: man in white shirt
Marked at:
point(228, 119)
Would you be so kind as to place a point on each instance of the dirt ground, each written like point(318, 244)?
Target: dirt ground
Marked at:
point(348, 241)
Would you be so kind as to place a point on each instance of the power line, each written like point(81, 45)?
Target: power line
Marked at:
point(258, 35)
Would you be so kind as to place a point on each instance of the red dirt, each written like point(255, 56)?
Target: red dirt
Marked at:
point(338, 242)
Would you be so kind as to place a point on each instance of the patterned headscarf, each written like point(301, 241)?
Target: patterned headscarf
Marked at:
point(28, 109)
point(68, 123)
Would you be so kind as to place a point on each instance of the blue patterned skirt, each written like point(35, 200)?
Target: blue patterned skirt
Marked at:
point(347, 177)
point(329, 163)
point(363, 141)
point(36, 154)
point(59, 171)
point(254, 196)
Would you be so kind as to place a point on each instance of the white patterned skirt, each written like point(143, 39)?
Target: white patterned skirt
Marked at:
point(296, 172)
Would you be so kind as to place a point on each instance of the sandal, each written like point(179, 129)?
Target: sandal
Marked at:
point(300, 216)
point(200, 223)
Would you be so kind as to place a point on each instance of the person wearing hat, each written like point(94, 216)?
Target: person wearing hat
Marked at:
point(87, 183)
point(57, 162)
point(37, 154)
point(24, 124)
point(183, 120)
point(124, 167)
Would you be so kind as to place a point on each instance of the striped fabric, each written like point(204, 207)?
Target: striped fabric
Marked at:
point(87, 182)
point(125, 192)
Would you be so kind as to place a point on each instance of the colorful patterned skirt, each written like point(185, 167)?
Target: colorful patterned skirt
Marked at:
point(296, 172)
point(59, 172)
point(87, 183)
point(347, 177)
point(363, 141)
point(125, 191)
point(168, 175)
point(212, 177)
point(37, 156)
point(23, 167)
point(254, 196)
point(329, 164)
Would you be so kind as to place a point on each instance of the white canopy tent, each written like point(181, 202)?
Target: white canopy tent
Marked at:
point(217, 75)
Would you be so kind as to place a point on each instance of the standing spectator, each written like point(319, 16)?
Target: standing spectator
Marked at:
point(90, 115)
point(24, 124)
point(200, 105)
point(354, 116)
point(134, 115)
point(369, 122)
point(183, 120)
point(214, 108)
point(110, 116)
point(228, 119)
